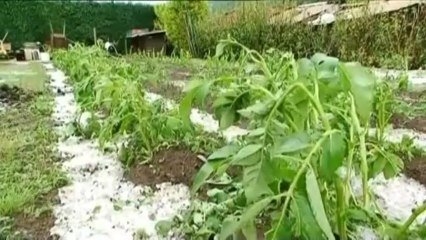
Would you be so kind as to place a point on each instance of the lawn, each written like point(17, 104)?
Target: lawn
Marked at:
point(27, 75)
point(28, 172)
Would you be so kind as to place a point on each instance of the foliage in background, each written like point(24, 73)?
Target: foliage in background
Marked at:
point(30, 21)
point(179, 19)
point(389, 40)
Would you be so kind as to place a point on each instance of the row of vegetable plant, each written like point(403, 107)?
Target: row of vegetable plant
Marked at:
point(112, 90)
point(308, 139)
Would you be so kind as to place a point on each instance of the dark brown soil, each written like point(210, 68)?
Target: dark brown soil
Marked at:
point(417, 123)
point(37, 227)
point(175, 165)
point(416, 169)
point(13, 95)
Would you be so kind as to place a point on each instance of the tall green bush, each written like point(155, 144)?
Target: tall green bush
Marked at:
point(180, 20)
point(29, 21)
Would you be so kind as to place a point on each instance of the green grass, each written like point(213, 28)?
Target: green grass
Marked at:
point(27, 75)
point(27, 154)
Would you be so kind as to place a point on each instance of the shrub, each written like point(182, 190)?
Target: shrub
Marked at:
point(30, 21)
point(179, 19)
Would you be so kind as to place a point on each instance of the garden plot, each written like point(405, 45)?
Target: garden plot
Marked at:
point(99, 203)
point(273, 150)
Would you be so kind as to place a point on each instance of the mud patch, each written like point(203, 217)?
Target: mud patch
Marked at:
point(166, 90)
point(416, 123)
point(179, 73)
point(12, 95)
point(175, 165)
point(416, 169)
point(37, 227)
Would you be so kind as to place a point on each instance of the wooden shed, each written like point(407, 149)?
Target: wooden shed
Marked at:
point(57, 40)
point(142, 40)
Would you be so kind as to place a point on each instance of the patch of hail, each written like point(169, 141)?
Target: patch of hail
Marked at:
point(99, 203)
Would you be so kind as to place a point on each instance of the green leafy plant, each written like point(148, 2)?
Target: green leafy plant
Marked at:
point(113, 89)
point(308, 135)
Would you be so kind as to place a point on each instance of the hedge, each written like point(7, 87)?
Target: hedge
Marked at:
point(29, 21)
point(394, 40)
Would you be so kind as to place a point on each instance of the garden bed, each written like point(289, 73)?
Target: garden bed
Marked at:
point(255, 181)
point(416, 169)
point(177, 165)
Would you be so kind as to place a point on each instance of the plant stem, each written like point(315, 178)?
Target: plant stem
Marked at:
point(419, 210)
point(302, 169)
point(313, 100)
point(350, 160)
point(363, 152)
point(341, 208)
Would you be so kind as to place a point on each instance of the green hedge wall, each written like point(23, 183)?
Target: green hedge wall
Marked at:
point(29, 20)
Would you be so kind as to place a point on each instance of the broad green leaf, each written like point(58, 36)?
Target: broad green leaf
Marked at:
point(259, 108)
point(389, 171)
point(227, 117)
point(202, 175)
point(305, 69)
point(246, 152)
point(396, 162)
point(290, 144)
point(249, 231)
point(232, 224)
point(192, 85)
point(362, 88)
point(185, 108)
point(378, 166)
point(285, 167)
point(256, 132)
point(305, 219)
point(222, 102)
point(317, 206)
point(255, 180)
point(224, 152)
point(202, 91)
point(333, 154)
